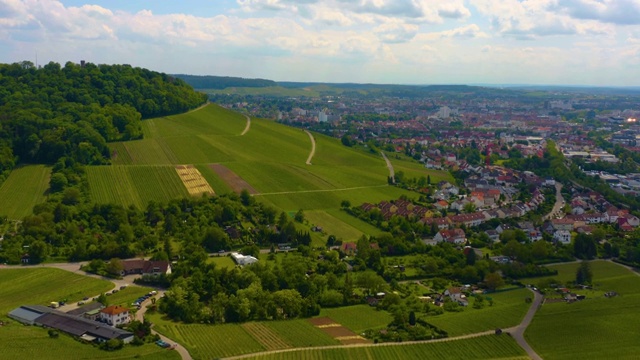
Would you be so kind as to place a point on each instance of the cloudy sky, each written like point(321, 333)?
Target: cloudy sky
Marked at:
point(582, 42)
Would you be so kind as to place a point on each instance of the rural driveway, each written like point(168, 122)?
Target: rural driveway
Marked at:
point(313, 147)
point(517, 332)
point(392, 173)
point(246, 128)
point(184, 353)
point(558, 205)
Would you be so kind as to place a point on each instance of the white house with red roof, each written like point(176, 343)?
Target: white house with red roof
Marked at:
point(115, 315)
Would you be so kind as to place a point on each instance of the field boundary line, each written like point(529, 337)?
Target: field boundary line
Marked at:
point(322, 190)
point(313, 147)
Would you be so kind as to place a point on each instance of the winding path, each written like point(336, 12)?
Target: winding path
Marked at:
point(558, 205)
point(392, 173)
point(313, 147)
point(517, 332)
point(246, 128)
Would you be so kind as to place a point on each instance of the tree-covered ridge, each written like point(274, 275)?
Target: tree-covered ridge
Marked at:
point(73, 111)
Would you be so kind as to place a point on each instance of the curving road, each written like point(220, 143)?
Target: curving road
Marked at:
point(392, 173)
point(313, 147)
point(517, 332)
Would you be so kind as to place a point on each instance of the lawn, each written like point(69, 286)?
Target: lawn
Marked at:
point(24, 188)
point(508, 309)
point(358, 318)
point(594, 328)
point(28, 342)
point(222, 261)
point(485, 347)
point(128, 295)
point(40, 286)
point(414, 169)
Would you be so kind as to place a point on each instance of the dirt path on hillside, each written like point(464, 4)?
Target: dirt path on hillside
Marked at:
point(199, 107)
point(313, 147)
point(392, 173)
point(246, 128)
point(517, 332)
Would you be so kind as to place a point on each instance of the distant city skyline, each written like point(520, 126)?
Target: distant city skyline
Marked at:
point(551, 42)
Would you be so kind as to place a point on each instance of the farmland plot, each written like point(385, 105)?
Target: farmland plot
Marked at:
point(485, 347)
point(24, 188)
point(195, 183)
point(300, 333)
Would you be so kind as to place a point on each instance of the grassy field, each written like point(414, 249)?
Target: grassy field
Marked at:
point(338, 227)
point(134, 185)
point(300, 333)
point(128, 295)
point(40, 286)
point(27, 342)
point(594, 328)
point(486, 347)
point(413, 169)
point(508, 309)
point(358, 318)
point(222, 261)
point(25, 188)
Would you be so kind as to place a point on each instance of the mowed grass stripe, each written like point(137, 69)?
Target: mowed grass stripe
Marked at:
point(484, 347)
point(24, 188)
point(265, 336)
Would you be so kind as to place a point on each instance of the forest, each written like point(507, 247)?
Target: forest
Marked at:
point(55, 111)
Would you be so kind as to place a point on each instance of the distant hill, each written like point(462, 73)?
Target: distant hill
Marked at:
point(223, 82)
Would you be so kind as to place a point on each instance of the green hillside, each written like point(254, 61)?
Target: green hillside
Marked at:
point(270, 157)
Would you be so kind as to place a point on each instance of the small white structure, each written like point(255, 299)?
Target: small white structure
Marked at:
point(242, 259)
point(114, 315)
point(562, 236)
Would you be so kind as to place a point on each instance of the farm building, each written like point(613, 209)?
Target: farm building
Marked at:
point(71, 324)
point(145, 267)
point(114, 315)
point(242, 259)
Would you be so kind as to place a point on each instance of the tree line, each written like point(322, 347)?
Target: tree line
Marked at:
point(74, 110)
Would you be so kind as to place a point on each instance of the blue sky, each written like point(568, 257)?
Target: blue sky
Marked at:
point(581, 42)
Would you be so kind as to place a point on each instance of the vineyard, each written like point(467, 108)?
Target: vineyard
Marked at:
point(486, 347)
point(300, 333)
point(25, 188)
point(209, 341)
point(595, 328)
point(265, 336)
point(134, 185)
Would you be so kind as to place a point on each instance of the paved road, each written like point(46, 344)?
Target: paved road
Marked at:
point(392, 173)
point(246, 128)
point(517, 332)
point(558, 205)
point(313, 147)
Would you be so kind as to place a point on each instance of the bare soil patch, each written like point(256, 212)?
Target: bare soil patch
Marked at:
point(337, 331)
point(236, 183)
point(193, 180)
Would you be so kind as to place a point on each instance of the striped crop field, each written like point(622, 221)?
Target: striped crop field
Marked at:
point(134, 185)
point(265, 336)
point(484, 347)
point(24, 188)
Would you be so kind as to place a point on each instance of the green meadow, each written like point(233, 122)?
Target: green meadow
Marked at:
point(24, 188)
point(594, 328)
